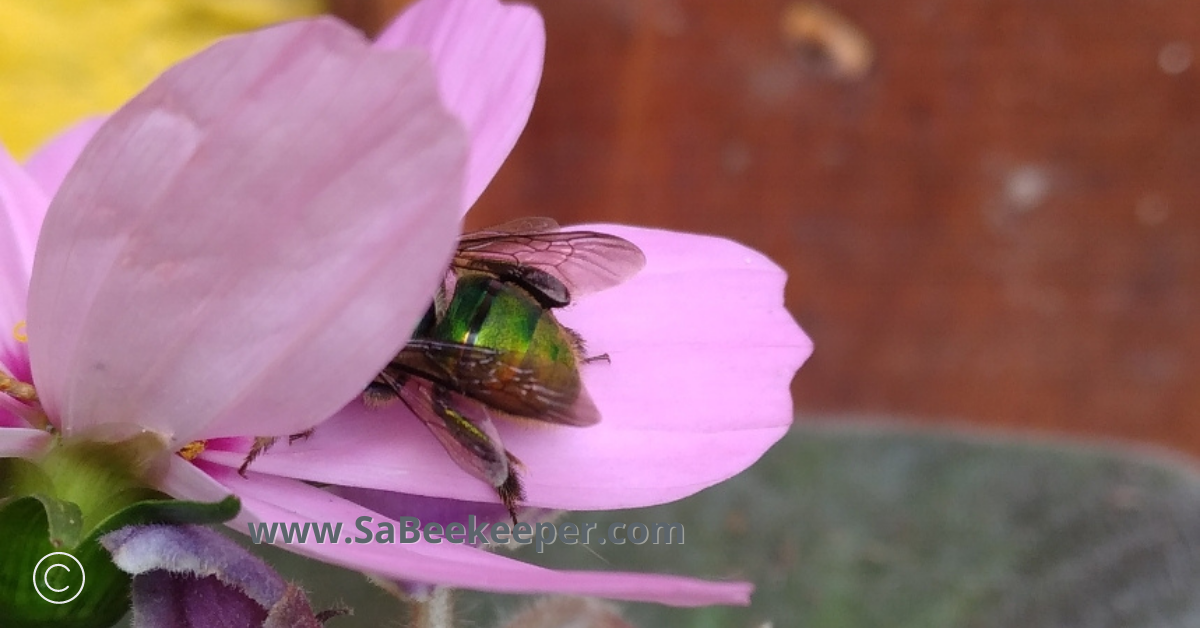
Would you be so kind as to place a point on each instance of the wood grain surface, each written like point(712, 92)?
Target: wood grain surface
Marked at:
point(995, 224)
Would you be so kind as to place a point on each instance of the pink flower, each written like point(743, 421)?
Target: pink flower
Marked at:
point(242, 246)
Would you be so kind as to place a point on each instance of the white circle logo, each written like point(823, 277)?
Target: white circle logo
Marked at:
point(64, 576)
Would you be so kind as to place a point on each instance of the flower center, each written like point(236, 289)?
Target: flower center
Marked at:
point(192, 450)
point(17, 389)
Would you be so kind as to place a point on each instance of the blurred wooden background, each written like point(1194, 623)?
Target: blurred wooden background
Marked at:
point(995, 225)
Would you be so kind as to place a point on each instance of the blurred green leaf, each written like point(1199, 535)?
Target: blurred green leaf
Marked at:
point(876, 526)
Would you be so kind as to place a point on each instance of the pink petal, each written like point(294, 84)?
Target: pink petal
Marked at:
point(488, 57)
point(49, 165)
point(14, 413)
point(249, 240)
point(22, 205)
point(702, 351)
point(16, 442)
point(270, 500)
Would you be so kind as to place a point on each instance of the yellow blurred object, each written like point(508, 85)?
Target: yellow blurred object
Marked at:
point(844, 46)
point(62, 60)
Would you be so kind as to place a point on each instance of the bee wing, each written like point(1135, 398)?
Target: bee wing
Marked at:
point(537, 224)
point(463, 426)
point(437, 360)
point(581, 261)
point(579, 411)
point(520, 392)
point(483, 375)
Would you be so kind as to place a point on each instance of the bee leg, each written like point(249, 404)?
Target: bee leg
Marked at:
point(378, 395)
point(302, 435)
point(581, 349)
point(511, 493)
point(261, 444)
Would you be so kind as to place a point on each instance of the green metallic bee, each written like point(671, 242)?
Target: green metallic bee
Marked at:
point(491, 346)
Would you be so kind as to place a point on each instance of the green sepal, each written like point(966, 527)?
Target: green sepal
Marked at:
point(27, 527)
point(171, 511)
point(19, 478)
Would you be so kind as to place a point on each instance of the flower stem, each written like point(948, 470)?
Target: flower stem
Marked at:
point(435, 611)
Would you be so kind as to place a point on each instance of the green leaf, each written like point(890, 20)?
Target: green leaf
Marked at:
point(105, 590)
point(27, 526)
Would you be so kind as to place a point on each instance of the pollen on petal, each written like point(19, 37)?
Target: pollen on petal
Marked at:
point(18, 332)
point(192, 450)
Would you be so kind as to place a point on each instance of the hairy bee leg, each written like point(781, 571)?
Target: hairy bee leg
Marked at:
point(378, 395)
point(302, 435)
point(577, 342)
point(261, 444)
point(581, 349)
point(512, 493)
